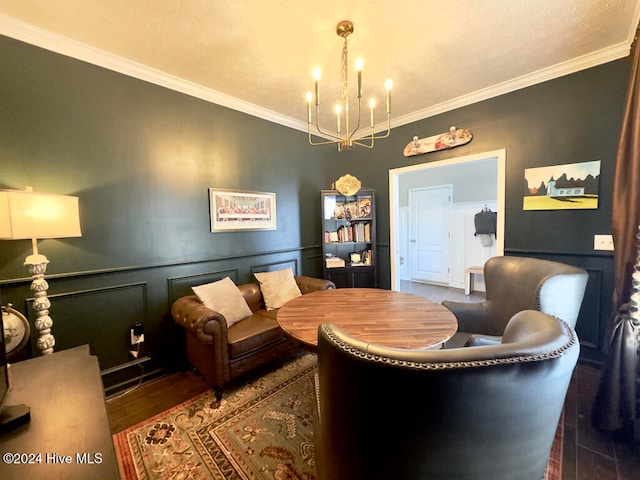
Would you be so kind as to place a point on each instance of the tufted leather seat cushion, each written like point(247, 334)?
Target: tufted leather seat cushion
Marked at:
point(253, 333)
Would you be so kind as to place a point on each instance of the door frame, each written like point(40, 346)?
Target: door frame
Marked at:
point(395, 173)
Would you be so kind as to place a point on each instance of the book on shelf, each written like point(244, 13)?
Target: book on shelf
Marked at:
point(364, 206)
point(334, 262)
point(362, 232)
point(358, 232)
point(331, 237)
point(345, 233)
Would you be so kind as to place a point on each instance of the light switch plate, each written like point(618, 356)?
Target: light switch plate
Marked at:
point(603, 242)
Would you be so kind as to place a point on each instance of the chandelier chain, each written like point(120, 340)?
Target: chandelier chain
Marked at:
point(344, 94)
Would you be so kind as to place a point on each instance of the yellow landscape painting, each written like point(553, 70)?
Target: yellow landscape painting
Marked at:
point(571, 186)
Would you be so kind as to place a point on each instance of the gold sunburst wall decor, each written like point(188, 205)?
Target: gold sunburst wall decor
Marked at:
point(348, 185)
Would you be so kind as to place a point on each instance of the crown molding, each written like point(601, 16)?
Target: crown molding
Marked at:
point(27, 33)
point(559, 70)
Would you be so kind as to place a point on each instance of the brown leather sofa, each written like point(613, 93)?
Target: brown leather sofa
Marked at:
point(514, 284)
point(474, 413)
point(219, 353)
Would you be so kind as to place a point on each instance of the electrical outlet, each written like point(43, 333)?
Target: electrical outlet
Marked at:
point(603, 242)
point(136, 339)
point(137, 333)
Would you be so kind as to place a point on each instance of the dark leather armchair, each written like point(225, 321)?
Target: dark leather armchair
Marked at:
point(476, 413)
point(514, 284)
point(220, 353)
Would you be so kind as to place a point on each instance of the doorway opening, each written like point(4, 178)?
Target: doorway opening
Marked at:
point(476, 181)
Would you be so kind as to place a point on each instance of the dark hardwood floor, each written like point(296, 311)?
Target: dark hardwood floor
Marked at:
point(153, 397)
point(438, 293)
point(588, 454)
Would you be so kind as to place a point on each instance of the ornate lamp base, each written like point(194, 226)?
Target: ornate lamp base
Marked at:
point(37, 265)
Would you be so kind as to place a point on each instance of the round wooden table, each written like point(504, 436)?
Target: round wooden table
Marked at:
point(383, 317)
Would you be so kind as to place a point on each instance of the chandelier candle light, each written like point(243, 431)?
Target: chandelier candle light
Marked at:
point(348, 138)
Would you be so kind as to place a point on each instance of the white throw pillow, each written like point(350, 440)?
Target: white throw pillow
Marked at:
point(277, 287)
point(225, 297)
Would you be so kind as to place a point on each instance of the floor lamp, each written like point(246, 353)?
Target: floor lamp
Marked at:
point(31, 215)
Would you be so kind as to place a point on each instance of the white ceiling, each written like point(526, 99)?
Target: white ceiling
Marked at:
point(257, 57)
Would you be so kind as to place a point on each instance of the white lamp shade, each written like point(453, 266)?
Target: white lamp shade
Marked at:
point(32, 215)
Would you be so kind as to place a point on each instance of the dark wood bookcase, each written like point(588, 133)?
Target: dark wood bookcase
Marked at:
point(349, 238)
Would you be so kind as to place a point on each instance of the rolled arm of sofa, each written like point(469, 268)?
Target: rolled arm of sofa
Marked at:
point(310, 284)
point(205, 324)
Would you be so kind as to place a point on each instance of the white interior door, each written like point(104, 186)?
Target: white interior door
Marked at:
point(430, 234)
point(403, 247)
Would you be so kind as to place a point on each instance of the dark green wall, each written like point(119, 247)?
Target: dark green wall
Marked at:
point(141, 159)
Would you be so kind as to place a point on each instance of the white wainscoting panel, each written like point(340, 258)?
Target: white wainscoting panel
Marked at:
point(467, 248)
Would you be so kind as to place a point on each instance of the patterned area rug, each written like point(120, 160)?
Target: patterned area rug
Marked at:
point(262, 429)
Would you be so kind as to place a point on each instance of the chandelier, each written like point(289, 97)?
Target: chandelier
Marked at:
point(348, 137)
